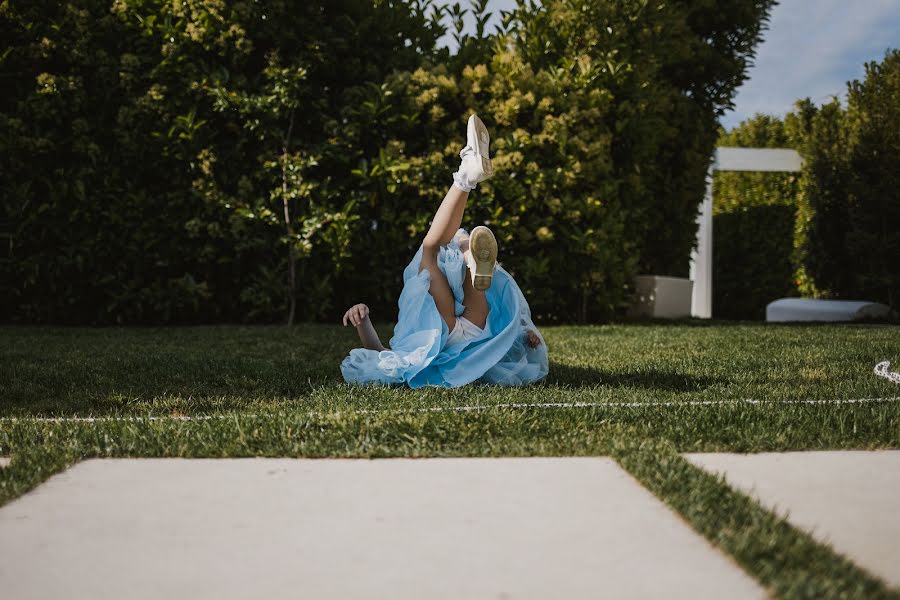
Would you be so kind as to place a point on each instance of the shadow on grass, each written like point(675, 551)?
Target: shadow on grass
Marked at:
point(670, 381)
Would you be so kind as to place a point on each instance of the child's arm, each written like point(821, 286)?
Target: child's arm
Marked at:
point(358, 315)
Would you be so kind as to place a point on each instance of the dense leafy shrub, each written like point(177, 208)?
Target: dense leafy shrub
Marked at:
point(174, 161)
point(847, 243)
point(599, 135)
point(671, 68)
point(824, 265)
point(552, 202)
point(752, 260)
point(847, 198)
point(119, 172)
point(874, 190)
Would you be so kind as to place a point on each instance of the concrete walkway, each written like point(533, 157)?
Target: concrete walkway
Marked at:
point(850, 499)
point(436, 528)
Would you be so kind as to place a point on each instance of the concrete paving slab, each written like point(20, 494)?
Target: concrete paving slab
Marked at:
point(435, 528)
point(850, 499)
point(4, 460)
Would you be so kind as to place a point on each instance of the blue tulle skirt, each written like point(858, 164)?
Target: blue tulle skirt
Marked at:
point(419, 353)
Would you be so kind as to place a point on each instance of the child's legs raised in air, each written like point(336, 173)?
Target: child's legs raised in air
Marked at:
point(447, 221)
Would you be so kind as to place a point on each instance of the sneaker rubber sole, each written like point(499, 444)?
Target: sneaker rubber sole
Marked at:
point(477, 132)
point(483, 246)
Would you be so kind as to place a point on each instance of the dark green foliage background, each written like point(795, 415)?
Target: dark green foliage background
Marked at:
point(841, 208)
point(141, 146)
point(752, 266)
point(873, 194)
point(753, 224)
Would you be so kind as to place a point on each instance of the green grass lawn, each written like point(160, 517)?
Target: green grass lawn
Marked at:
point(653, 391)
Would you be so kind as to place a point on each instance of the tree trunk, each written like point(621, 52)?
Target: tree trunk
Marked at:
point(582, 316)
point(292, 254)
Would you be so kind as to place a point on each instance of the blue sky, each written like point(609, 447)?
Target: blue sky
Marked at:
point(811, 49)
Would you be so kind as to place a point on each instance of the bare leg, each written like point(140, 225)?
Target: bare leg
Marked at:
point(447, 221)
point(475, 302)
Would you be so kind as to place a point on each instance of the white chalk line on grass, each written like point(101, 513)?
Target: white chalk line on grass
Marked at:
point(643, 404)
point(461, 409)
point(881, 370)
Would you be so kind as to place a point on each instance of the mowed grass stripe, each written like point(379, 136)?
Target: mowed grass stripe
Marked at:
point(525, 432)
point(464, 409)
point(789, 562)
point(199, 370)
point(640, 393)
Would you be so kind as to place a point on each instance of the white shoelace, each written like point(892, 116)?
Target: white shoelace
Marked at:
point(882, 370)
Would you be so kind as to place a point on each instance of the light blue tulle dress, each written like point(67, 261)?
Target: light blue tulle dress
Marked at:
point(420, 354)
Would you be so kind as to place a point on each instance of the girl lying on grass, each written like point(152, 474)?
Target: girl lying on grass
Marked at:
point(462, 316)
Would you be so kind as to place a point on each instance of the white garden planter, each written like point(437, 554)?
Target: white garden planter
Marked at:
point(662, 297)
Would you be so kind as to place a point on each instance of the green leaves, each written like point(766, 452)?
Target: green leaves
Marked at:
point(247, 146)
point(835, 210)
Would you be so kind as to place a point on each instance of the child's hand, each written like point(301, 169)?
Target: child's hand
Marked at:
point(532, 339)
point(356, 315)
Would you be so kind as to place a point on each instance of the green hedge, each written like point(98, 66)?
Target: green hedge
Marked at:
point(752, 260)
point(841, 207)
point(753, 224)
point(848, 244)
point(107, 126)
point(150, 148)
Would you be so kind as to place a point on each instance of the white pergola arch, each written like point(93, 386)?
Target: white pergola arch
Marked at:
point(728, 159)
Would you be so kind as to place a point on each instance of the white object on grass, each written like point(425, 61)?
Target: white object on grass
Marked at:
point(810, 309)
point(662, 297)
point(882, 370)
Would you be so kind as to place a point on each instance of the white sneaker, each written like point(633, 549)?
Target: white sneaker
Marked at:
point(476, 160)
point(482, 258)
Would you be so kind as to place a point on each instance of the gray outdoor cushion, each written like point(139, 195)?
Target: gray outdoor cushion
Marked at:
point(808, 309)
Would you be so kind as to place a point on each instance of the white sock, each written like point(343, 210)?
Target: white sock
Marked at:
point(462, 182)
